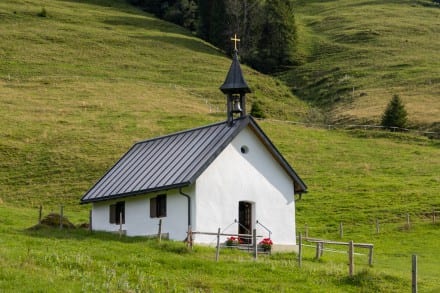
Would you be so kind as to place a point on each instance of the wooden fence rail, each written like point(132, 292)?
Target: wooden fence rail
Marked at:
point(351, 245)
point(252, 237)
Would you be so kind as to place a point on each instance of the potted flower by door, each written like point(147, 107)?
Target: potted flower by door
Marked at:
point(266, 244)
point(233, 241)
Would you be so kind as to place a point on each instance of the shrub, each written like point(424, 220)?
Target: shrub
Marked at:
point(395, 114)
point(42, 13)
point(257, 110)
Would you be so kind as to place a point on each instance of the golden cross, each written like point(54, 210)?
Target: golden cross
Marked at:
point(235, 41)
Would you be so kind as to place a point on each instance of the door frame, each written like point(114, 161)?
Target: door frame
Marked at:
point(246, 218)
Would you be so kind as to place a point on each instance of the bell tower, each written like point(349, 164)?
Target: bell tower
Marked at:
point(235, 88)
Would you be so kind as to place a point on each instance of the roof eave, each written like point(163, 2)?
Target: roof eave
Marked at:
point(137, 193)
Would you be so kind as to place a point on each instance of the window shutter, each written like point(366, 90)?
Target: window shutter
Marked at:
point(112, 214)
point(153, 208)
point(123, 211)
point(120, 211)
point(162, 206)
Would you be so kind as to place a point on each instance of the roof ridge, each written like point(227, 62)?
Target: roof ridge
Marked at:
point(187, 130)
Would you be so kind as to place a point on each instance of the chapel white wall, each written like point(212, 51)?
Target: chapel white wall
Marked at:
point(255, 177)
point(137, 216)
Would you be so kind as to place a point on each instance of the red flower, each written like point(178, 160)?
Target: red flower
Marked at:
point(266, 243)
point(233, 241)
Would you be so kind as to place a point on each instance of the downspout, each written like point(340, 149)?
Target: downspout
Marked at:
point(189, 205)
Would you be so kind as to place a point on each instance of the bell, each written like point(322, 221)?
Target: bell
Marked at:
point(237, 107)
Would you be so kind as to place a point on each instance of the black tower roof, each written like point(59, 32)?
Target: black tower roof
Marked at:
point(235, 82)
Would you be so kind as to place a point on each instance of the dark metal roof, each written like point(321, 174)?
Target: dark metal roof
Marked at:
point(176, 160)
point(235, 82)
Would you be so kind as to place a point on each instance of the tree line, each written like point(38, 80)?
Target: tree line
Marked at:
point(266, 28)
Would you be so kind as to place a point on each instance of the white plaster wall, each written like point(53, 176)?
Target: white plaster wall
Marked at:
point(137, 216)
point(255, 177)
point(100, 217)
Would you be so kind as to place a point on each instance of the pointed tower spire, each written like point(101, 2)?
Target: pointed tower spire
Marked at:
point(235, 87)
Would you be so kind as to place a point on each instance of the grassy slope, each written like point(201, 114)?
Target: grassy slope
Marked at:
point(377, 48)
point(79, 87)
point(71, 81)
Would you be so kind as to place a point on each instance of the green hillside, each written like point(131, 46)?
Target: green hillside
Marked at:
point(79, 86)
point(357, 54)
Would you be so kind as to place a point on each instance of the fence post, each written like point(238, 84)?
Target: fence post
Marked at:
point(414, 273)
point(370, 256)
point(217, 252)
point(159, 232)
point(351, 258)
point(189, 237)
point(90, 221)
point(254, 243)
point(40, 213)
point(341, 230)
point(318, 250)
point(433, 216)
point(408, 223)
point(300, 250)
point(377, 226)
point(61, 217)
point(120, 224)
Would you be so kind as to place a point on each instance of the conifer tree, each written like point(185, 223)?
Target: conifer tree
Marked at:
point(395, 114)
point(213, 22)
point(276, 47)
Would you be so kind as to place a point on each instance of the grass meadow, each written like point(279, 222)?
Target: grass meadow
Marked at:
point(50, 260)
point(81, 85)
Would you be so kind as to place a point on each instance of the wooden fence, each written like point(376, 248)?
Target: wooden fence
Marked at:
point(320, 243)
point(351, 246)
point(252, 236)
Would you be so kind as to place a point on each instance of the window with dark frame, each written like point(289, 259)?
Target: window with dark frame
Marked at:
point(158, 206)
point(117, 211)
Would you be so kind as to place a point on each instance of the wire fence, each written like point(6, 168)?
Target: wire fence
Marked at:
point(430, 134)
point(376, 225)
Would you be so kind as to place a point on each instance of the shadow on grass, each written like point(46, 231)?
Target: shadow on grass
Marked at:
point(412, 137)
point(139, 21)
point(120, 5)
point(181, 37)
point(373, 281)
point(79, 234)
point(191, 43)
